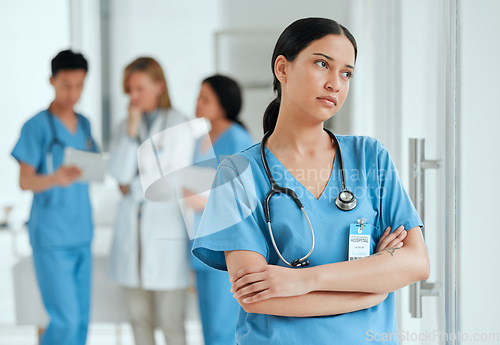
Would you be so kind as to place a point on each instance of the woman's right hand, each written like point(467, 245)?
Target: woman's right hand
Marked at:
point(391, 239)
point(125, 189)
point(134, 119)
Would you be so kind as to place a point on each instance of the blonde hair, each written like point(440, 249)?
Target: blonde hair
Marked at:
point(155, 72)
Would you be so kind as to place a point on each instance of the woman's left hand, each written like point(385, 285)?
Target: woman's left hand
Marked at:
point(194, 201)
point(259, 283)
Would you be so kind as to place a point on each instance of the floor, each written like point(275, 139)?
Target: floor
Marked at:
point(13, 246)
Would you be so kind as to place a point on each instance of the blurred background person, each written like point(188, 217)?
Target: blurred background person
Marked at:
point(60, 225)
point(220, 102)
point(153, 271)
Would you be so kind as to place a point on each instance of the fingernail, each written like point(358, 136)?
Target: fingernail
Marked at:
point(245, 300)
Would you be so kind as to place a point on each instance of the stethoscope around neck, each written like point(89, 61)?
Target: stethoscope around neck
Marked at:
point(55, 141)
point(345, 201)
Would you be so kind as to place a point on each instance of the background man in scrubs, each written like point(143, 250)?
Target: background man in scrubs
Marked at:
point(60, 225)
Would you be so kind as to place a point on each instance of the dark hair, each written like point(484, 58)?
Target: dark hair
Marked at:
point(295, 38)
point(229, 95)
point(67, 59)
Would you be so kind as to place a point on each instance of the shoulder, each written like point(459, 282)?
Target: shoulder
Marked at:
point(361, 144)
point(238, 134)
point(37, 123)
point(174, 114)
point(240, 161)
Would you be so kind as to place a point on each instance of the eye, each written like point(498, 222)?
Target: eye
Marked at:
point(347, 74)
point(321, 63)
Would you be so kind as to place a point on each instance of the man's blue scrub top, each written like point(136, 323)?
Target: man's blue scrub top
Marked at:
point(234, 220)
point(60, 216)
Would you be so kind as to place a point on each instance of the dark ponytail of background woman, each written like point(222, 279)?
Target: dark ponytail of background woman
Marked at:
point(296, 37)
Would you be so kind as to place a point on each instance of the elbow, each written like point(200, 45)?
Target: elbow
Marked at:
point(248, 307)
point(23, 185)
point(426, 270)
point(422, 269)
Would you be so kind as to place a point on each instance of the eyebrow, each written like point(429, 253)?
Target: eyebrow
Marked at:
point(331, 59)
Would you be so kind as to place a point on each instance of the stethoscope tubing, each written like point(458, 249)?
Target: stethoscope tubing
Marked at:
point(49, 157)
point(344, 205)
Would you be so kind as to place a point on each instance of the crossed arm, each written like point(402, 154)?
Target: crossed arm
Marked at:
point(327, 289)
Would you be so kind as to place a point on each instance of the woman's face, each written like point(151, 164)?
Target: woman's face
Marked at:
point(208, 105)
point(143, 91)
point(317, 81)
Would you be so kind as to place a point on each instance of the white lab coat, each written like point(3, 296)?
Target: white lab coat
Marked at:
point(152, 254)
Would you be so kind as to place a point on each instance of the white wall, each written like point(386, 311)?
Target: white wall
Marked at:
point(273, 17)
point(179, 34)
point(479, 74)
point(29, 42)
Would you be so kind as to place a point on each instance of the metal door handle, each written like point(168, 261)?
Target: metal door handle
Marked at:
point(418, 165)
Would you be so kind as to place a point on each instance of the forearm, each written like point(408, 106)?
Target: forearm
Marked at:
point(36, 182)
point(314, 303)
point(317, 303)
point(386, 271)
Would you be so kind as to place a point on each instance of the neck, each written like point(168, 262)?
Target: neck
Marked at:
point(60, 111)
point(219, 126)
point(292, 132)
point(151, 109)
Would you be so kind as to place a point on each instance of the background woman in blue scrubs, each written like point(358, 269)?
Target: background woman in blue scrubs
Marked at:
point(334, 300)
point(60, 225)
point(220, 102)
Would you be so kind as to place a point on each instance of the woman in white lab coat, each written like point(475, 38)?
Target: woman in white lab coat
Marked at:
point(148, 255)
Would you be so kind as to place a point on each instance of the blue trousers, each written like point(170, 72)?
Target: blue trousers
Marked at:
point(218, 308)
point(64, 279)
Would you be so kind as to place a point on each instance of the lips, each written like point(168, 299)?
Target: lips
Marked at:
point(328, 100)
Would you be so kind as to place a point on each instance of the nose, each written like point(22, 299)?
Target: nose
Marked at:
point(333, 84)
point(134, 97)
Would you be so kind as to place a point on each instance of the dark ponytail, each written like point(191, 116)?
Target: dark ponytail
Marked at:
point(271, 115)
point(295, 38)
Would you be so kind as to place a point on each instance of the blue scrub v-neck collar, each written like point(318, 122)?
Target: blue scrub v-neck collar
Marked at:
point(294, 180)
point(218, 139)
point(61, 124)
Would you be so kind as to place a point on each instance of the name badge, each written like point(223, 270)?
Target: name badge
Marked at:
point(360, 240)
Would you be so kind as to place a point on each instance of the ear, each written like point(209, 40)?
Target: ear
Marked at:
point(51, 79)
point(160, 87)
point(280, 67)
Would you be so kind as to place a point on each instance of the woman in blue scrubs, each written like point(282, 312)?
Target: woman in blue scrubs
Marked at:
point(60, 225)
point(220, 102)
point(335, 299)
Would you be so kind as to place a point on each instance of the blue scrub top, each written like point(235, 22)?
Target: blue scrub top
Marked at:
point(60, 216)
point(231, 141)
point(234, 220)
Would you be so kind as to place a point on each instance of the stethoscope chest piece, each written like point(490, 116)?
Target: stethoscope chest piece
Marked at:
point(346, 201)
